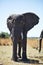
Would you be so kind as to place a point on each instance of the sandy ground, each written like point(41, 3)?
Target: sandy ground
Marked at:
point(35, 58)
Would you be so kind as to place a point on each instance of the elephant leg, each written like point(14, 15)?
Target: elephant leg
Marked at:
point(19, 49)
point(24, 56)
point(19, 46)
point(40, 41)
point(15, 41)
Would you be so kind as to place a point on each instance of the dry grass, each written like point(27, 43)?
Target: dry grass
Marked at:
point(34, 42)
point(5, 41)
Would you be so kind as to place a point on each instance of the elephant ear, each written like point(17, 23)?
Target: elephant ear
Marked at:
point(31, 20)
point(10, 20)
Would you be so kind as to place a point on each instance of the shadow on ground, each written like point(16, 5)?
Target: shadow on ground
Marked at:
point(30, 61)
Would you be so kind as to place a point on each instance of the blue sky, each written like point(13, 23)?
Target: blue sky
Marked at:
point(8, 7)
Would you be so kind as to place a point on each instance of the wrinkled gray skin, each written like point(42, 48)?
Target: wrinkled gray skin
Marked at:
point(21, 23)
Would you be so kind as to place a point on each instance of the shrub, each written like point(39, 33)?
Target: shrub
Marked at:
point(4, 35)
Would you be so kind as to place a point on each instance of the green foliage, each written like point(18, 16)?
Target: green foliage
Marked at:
point(4, 35)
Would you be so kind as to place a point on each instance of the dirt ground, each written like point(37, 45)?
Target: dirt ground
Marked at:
point(35, 58)
point(33, 55)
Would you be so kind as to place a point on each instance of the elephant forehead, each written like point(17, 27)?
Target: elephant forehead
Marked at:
point(13, 16)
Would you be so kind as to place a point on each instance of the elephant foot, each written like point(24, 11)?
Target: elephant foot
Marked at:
point(15, 59)
point(24, 57)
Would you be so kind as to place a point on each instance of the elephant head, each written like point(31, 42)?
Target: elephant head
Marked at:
point(15, 20)
point(10, 20)
point(28, 19)
point(31, 20)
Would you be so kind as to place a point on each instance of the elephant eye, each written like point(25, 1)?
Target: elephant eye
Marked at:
point(10, 18)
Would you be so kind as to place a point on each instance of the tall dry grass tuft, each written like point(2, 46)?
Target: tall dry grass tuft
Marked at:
point(34, 42)
point(5, 41)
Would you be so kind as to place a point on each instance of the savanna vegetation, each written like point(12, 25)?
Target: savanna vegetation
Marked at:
point(4, 35)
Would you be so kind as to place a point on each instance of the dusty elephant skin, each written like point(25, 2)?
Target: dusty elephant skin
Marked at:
point(18, 24)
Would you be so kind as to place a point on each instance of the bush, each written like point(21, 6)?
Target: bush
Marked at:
point(4, 35)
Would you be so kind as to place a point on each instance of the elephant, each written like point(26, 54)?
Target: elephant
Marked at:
point(40, 41)
point(18, 24)
point(15, 25)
